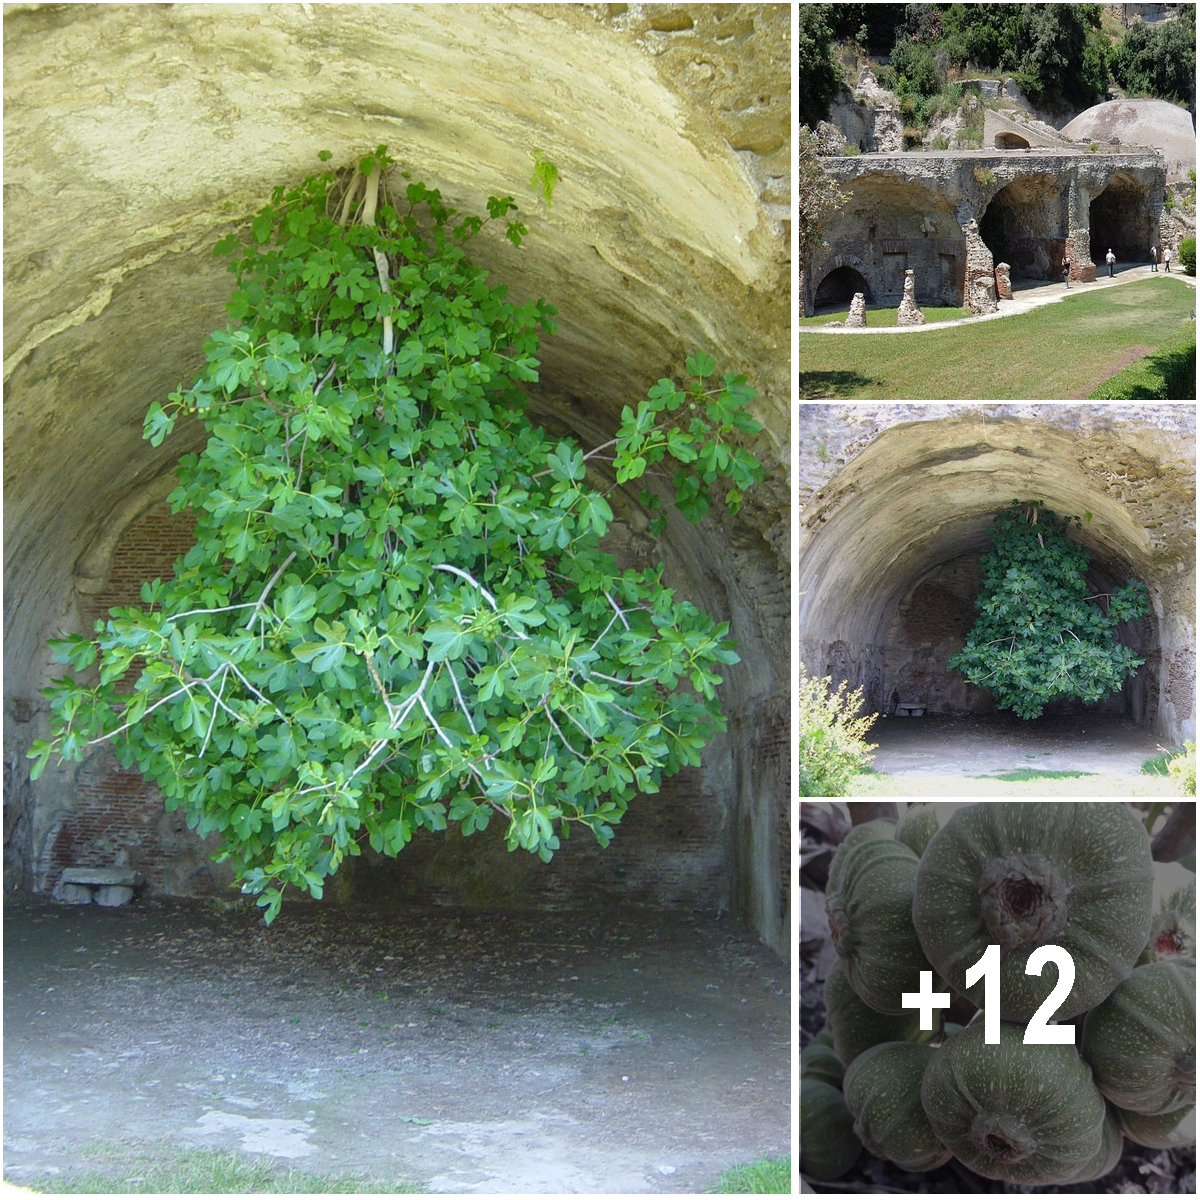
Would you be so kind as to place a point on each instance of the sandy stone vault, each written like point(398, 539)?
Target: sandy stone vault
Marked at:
point(895, 506)
point(669, 126)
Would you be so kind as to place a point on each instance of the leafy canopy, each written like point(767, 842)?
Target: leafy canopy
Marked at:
point(1040, 636)
point(397, 614)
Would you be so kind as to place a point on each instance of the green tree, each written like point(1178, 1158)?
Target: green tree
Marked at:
point(1063, 50)
point(1039, 635)
point(1158, 60)
point(820, 75)
point(397, 614)
point(817, 196)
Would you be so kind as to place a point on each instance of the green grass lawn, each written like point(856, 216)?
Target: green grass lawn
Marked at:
point(885, 318)
point(1059, 352)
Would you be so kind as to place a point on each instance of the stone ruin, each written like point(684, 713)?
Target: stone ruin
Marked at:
point(857, 317)
point(908, 313)
point(1003, 282)
point(950, 217)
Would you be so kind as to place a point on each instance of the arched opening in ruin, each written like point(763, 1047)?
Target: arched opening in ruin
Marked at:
point(666, 237)
point(891, 225)
point(1011, 141)
point(888, 574)
point(1120, 220)
point(837, 289)
point(1025, 226)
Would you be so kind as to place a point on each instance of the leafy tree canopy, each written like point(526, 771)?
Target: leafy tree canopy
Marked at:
point(1158, 60)
point(820, 75)
point(1040, 636)
point(397, 614)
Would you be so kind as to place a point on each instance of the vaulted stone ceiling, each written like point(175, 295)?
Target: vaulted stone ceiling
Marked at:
point(136, 136)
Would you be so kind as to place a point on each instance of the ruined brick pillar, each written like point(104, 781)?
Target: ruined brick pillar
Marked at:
point(1003, 281)
point(856, 318)
point(980, 292)
point(1079, 240)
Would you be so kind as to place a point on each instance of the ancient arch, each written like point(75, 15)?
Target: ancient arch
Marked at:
point(667, 234)
point(839, 285)
point(1024, 225)
point(1011, 141)
point(892, 530)
point(1121, 217)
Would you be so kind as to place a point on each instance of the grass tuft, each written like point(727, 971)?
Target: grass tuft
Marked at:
point(766, 1177)
point(167, 1169)
point(1025, 774)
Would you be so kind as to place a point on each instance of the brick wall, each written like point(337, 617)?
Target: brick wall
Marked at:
point(118, 816)
point(672, 849)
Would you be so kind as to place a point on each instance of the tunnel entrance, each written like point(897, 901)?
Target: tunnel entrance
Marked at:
point(1024, 226)
point(839, 286)
point(1011, 141)
point(890, 550)
point(1120, 219)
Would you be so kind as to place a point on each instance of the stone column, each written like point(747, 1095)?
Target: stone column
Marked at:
point(908, 313)
point(1079, 235)
point(856, 318)
point(981, 281)
point(1003, 281)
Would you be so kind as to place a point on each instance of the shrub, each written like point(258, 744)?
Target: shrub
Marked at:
point(1187, 255)
point(1182, 769)
point(984, 176)
point(833, 735)
point(1167, 374)
point(850, 150)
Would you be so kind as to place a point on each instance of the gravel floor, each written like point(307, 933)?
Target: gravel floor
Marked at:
point(464, 1051)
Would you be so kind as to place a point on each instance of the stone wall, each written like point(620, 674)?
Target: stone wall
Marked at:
point(917, 212)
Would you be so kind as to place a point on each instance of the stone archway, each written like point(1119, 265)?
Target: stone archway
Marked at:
point(890, 542)
point(1024, 225)
point(839, 286)
point(1011, 141)
point(1120, 218)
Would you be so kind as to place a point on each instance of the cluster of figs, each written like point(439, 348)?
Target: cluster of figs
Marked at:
point(930, 893)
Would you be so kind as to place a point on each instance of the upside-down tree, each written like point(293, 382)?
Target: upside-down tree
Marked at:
point(397, 613)
point(1040, 636)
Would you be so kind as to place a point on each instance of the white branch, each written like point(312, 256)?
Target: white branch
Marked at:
point(479, 588)
point(617, 610)
point(625, 682)
point(461, 702)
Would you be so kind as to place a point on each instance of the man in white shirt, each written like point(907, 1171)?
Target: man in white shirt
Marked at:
point(1110, 258)
point(1154, 258)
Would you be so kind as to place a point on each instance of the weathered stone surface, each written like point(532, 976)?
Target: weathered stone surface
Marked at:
point(102, 876)
point(73, 893)
point(895, 512)
point(949, 215)
point(908, 313)
point(857, 317)
point(670, 127)
point(1003, 282)
point(112, 897)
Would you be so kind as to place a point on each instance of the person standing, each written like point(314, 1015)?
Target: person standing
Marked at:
point(1154, 258)
point(1167, 259)
point(1066, 271)
point(1110, 258)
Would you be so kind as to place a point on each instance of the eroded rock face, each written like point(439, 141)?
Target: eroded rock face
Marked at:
point(669, 126)
point(895, 512)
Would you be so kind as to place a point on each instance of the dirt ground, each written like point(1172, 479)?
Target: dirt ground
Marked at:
point(462, 1051)
point(987, 745)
